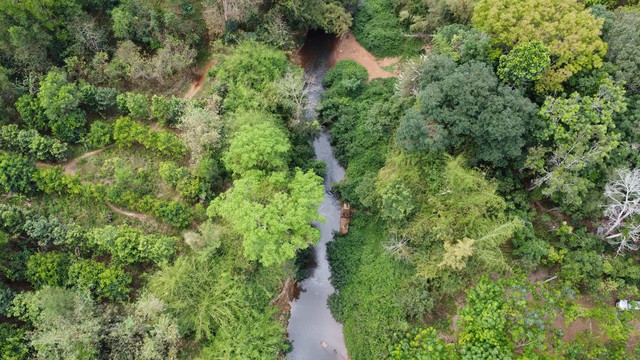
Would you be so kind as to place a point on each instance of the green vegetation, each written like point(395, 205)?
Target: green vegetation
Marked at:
point(379, 29)
point(473, 170)
point(494, 182)
point(153, 245)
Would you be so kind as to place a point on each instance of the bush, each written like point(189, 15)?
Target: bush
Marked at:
point(167, 111)
point(127, 132)
point(378, 29)
point(31, 143)
point(98, 99)
point(17, 174)
point(100, 134)
point(50, 269)
point(46, 231)
point(13, 342)
point(128, 245)
point(345, 70)
point(135, 105)
point(174, 213)
point(104, 282)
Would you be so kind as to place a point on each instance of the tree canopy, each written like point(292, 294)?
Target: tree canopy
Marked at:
point(570, 31)
point(465, 109)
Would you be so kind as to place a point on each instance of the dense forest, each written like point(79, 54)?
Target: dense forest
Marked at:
point(159, 191)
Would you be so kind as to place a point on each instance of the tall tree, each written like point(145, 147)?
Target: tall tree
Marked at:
point(578, 134)
point(273, 213)
point(570, 31)
point(623, 39)
point(466, 109)
point(66, 323)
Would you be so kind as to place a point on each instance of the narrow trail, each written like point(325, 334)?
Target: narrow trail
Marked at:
point(348, 48)
point(135, 215)
point(196, 85)
point(70, 167)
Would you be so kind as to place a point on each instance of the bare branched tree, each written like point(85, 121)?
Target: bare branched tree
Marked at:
point(201, 129)
point(621, 226)
point(295, 89)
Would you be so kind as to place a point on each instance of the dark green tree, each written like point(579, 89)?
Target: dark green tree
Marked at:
point(465, 109)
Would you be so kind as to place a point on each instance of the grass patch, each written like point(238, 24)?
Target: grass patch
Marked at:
point(367, 281)
point(377, 27)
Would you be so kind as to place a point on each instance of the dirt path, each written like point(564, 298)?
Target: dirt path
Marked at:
point(70, 167)
point(348, 48)
point(139, 216)
point(196, 85)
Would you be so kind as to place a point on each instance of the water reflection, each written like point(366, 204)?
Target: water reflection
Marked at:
point(315, 334)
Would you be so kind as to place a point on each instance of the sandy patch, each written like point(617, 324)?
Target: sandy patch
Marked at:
point(348, 48)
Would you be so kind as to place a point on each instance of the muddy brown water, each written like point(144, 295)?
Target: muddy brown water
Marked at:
point(313, 331)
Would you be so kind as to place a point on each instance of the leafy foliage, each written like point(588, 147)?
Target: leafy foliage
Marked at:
point(65, 321)
point(378, 29)
point(465, 109)
point(128, 245)
point(462, 43)
point(571, 33)
point(623, 45)
point(525, 63)
point(421, 344)
point(578, 135)
point(273, 213)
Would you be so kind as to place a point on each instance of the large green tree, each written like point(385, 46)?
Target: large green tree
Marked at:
point(578, 134)
point(466, 109)
point(570, 31)
point(273, 213)
point(261, 146)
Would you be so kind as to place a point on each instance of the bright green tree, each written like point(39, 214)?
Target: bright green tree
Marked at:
point(579, 134)
point(525, 63)
point(273, 213)
point(261, 146)
point(570, 31)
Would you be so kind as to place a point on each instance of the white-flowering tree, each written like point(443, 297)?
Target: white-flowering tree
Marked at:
point(200, 129)
point(621, 224)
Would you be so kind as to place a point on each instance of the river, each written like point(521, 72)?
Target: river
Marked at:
point(315, 334)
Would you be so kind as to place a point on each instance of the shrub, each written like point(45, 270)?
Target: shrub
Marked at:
point(174, 213)
point(167, 111)
point(100, 134)
point(128, 245)
point(127, 132)
point(134, 104)
point(378, 29)
point(48, 269)
point(31, 143)
point(46, 231)
point(104, 282)
point(16, 174)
